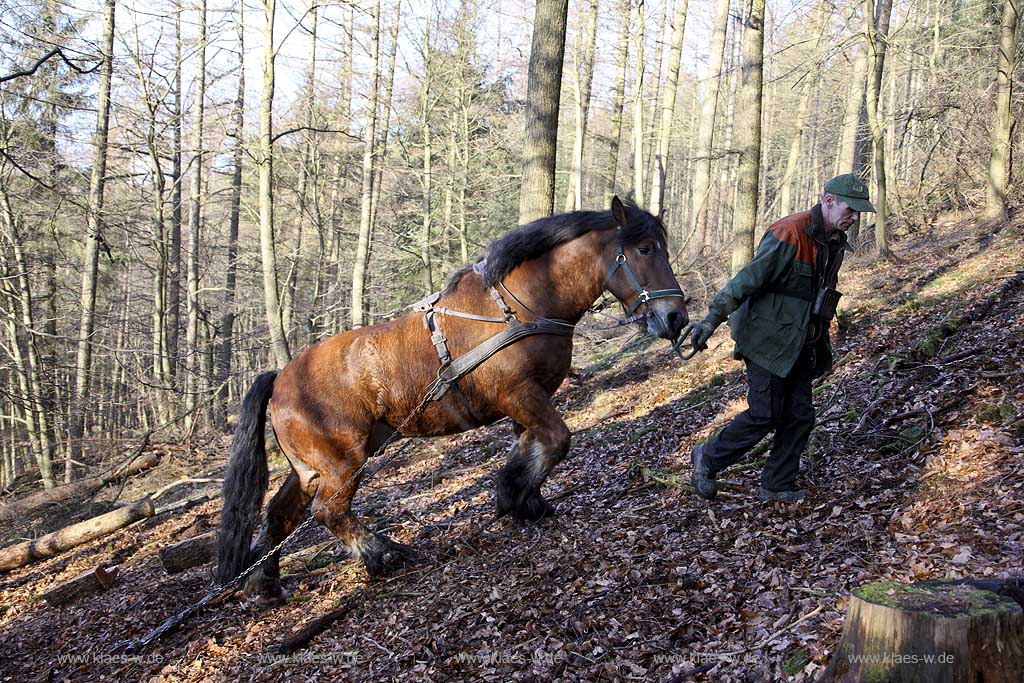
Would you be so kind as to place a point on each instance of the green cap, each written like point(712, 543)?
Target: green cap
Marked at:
point(851, 189)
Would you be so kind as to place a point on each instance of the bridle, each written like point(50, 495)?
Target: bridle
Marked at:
point(643, 296)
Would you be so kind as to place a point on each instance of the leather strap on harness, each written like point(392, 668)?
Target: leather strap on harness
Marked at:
point(463, 365)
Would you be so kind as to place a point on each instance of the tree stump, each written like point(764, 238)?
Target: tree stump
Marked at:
point(933, 631)
point(189, 553)
point(95, 580)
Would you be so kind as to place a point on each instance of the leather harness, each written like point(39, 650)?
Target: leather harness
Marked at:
point(452, 370)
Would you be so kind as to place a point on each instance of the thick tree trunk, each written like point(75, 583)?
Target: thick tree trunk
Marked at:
point(543, 92)
point(90, 260)
point(668, 107)
point(1002, 124)
point(877, 35)
point(265, 162)
point(701, 186)
point(935, 631)
point(57, 542)
point(748, 139)
point(362, 256)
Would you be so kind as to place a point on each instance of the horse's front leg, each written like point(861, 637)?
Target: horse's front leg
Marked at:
point(543, 442)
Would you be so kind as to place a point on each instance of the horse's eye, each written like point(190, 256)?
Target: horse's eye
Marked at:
point(644, 251)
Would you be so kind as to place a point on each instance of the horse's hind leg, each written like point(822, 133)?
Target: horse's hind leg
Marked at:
point(286, 510)
point(543, 442)
point(379, 553)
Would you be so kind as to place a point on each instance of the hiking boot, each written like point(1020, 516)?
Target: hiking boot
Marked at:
point(701, 477)
point(787, 496)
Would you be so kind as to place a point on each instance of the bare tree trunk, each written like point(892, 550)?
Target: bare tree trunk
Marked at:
point(230, 281)
point(173, 288)
point(702, 173)
point(1002, 124)
point(466, 41)
point(428, 282)
point(621, 59)
point(362, 256)
point(638, 105)
point(668, 107)
point(304, 212)
point(748, 143)
point(583, 78)
point(851, 117)
point(194, 365)
point(727, 174)
point(29, 363)
point(90, 261)
point(344, 119)
point(543, 92)
point(389, 89)
point(876, 44)
point(265, 163)
point(789, 180)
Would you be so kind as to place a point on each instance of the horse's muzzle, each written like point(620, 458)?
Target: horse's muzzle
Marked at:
point(667, 324)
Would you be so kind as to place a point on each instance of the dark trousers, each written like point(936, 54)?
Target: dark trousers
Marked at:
point(775, 403)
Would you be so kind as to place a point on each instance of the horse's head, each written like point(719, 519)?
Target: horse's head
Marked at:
point(640, 275)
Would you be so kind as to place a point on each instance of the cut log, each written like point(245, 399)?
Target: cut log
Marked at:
point(51, 544)
point(189, 553)
point(935, 631)
point(77, 490)
point(95, 580)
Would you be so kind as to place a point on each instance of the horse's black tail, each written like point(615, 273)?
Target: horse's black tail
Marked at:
point(245, 482)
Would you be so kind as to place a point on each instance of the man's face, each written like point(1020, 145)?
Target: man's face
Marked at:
point(837, 214)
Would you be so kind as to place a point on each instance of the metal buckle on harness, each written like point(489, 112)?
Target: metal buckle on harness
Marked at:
point(645, 296)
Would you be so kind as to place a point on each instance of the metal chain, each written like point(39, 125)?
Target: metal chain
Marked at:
point(134, 646)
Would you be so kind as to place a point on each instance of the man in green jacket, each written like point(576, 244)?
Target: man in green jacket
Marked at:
point(779, 309)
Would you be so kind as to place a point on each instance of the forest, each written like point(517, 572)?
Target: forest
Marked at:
point(194, 191)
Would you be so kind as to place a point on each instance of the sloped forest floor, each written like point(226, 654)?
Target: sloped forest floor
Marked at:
point(915, 471)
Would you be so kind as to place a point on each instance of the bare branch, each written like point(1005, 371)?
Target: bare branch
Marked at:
point(42, 60)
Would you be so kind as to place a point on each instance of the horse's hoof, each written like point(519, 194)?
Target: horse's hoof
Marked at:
point(264, 592)
point(534, 509)
point(382, 556)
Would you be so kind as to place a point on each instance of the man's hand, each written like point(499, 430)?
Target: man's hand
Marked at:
point(702, 331)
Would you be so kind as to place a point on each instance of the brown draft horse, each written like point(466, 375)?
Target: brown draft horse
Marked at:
point(335, 403)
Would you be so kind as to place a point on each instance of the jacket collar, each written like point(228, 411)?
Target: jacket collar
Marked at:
point(816, 230)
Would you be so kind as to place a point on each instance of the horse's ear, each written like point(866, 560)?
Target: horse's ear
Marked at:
point(619, 212)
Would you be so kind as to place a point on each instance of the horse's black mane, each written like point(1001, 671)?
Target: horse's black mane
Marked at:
point(537, 238)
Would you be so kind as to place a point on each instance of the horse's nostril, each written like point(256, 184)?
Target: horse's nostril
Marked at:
point(676, 320)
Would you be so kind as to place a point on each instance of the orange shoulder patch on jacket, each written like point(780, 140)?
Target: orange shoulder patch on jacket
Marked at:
point(791, 231)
